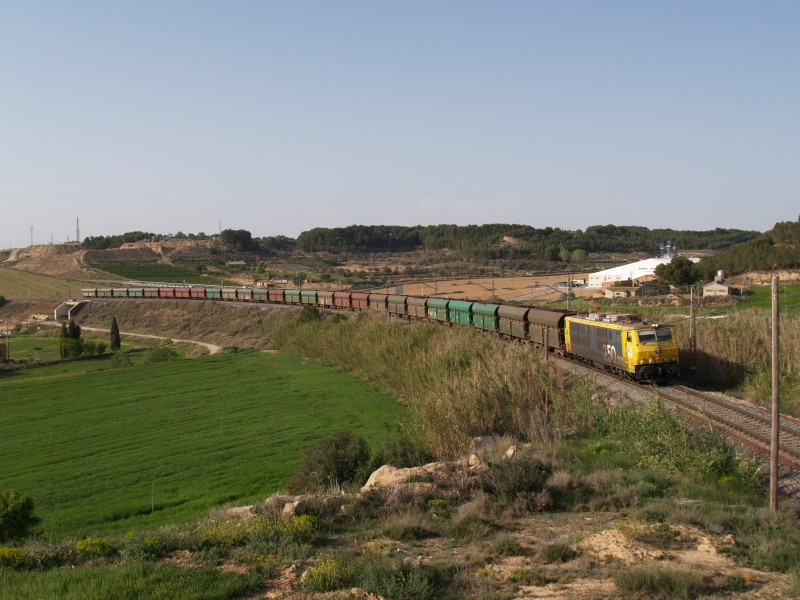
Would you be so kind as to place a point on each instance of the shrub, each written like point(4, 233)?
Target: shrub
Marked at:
point(338, 460)
point(399, 581)
point(309, 314)
point(11, 558)
point(654, 581)
point(160, 354)
point(330, 574)
point(473, 528)
point(523, 475)
point(527, 577)
point(16, 515)
point(94, 546)
point(135, 547)
point(402, 452)
point(508, 547)
point(558, 552)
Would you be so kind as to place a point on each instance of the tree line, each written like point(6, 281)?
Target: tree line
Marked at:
point(504, 241)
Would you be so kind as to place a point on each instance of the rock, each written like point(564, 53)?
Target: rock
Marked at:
point(294, 509)
point(729, 539)
point(476, 463)
point(240, 512)
point(383, 477)
point(511, 452)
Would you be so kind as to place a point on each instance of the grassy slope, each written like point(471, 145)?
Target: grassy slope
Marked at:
point(96, 449)
point(21, 284)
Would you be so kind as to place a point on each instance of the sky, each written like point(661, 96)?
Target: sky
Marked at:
point(280, 116)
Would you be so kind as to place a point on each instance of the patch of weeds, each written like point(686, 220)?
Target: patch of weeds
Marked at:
point(94, 546)
point(137, 547)
point(557, 552)
point(524, 475)
point(473, 527)
point(655, 581)
point(12, 558)
point(400, 581)
point(404, 532)
point(329, 575)
point(661, 535)
point(527, 577)
point(508, 547)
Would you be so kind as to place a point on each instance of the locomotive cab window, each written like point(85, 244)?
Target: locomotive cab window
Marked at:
point(664, 334)
point(646, 335)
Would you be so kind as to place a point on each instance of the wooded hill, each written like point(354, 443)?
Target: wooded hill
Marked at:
point(776, 249)
point(504, 241)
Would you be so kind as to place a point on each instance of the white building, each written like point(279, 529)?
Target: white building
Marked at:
point(627, 272)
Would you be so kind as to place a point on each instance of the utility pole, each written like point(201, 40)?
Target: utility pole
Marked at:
point(776, 413)
point(692, 335)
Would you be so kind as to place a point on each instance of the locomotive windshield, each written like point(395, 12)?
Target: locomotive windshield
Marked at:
point(662, 334)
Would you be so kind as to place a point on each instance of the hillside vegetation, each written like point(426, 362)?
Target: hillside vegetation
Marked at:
point(599, 498)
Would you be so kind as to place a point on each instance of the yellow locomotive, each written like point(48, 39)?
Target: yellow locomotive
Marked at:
point(623, 344)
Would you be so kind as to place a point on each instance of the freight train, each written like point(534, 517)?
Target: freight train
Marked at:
point(622, 344)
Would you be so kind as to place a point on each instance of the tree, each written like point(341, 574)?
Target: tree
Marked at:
point(680, 272)
point(16, 515)
point(70, 343)
point(116, 342)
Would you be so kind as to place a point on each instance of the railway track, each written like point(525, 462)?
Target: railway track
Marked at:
point(749, 425)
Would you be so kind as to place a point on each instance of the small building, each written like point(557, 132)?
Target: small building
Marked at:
point(619, 291)
point(716, 288)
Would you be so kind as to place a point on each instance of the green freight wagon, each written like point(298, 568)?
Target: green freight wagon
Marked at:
point(461, 312)
point(308, 297)
point(293, 297)
point(325, 298)
point(119, 292)
point(377, 302)
point(437, 309)
point(261, 294)
point(416, 307)
point(511, 321)
point(484, 316)
point(397, 305)
point(214, 293)
point(244, 293)
point(135, 292)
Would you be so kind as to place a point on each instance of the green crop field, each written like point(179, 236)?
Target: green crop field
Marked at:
point(153, 271)
point(118, 449)
point(760, 296)
point(21, 284)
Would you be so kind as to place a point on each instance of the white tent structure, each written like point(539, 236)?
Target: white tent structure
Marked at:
point(627, 272)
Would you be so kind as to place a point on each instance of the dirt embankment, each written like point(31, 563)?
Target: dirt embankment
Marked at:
point(224, 324)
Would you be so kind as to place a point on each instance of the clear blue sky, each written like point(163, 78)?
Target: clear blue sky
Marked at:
point(280, 116)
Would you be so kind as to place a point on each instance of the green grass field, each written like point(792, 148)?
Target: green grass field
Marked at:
point(118, 449)
point(760, 296)
point(152, 271)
